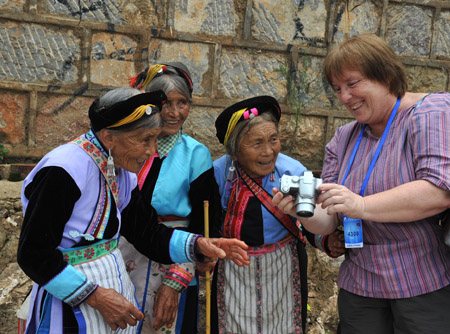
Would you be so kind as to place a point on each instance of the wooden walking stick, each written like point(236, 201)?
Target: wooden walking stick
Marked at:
point(208, 274)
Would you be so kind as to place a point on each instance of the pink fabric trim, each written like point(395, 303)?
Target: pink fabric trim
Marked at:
point(264, 249)
point(142, 175)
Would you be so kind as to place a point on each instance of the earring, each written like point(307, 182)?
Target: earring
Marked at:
point(272, 176)
point(111, 171)
point(231, 171)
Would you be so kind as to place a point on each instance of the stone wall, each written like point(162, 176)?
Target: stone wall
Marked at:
point(57, 56)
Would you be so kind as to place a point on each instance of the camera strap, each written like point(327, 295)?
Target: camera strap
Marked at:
point(266, 200)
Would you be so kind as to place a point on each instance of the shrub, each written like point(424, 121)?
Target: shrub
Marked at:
point(3, 151)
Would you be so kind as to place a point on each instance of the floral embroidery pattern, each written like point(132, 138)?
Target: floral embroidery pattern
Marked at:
point(259, 295)
point(88, 147)
point(89, 253)
point(99, 156)
point(297, 288)
point(130, 265)
point(221, 296)
point(103, 166)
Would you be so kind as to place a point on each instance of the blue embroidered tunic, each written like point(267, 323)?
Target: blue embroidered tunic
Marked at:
point(176, 185)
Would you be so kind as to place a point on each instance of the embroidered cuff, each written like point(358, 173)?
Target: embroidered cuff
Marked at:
point(180, 254)
point(177, 278)
point(71, 286)
point(196, 257)
point(90, 289)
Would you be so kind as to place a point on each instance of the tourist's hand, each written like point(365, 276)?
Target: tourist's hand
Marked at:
point(165, 308)
point(115, 308)
point(336, 243)
point(232, 249)
point(339, 199)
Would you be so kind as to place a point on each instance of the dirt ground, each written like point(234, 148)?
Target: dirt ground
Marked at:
point(10, 189)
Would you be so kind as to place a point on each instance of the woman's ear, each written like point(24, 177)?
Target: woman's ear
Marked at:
point(106, 138)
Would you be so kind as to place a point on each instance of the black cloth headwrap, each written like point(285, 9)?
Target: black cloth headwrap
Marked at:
point(181, 69)
point(106, 116)
point(182, 72)
point(261, 103)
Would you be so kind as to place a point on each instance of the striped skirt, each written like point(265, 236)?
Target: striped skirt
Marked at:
point(262, 298)
point(109, 272)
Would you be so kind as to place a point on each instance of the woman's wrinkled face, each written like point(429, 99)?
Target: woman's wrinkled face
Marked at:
point(174, 112)
point(258, 149)
point(131, 149)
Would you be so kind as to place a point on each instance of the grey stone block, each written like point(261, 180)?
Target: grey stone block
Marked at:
point(290, 22)
point(247, 73)
point(355, 17)
point(33, 53)
point(212, 17)
point(409, 30)
point(443, 37)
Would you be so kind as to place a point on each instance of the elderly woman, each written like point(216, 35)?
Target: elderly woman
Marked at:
point(176, 181)
point(77, 200)
point(269, 296)
point(388, 178)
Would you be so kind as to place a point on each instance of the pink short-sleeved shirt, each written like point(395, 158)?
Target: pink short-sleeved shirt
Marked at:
point(398, 260)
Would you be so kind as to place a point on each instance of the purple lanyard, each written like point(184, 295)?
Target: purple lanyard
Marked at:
point(377, 153)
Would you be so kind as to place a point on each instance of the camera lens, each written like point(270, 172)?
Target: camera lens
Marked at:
point(305, 207)
point(305, 214)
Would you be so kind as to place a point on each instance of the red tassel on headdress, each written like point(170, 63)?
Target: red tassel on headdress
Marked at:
point(136, 81)
point(133, 81)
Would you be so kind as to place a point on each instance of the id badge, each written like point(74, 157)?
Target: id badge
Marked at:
point(353, 232)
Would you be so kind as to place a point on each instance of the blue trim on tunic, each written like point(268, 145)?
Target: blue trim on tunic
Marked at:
point(178, 254)
point(80, 320)
point(67, 284)
point(181, 309)
point(45, 321)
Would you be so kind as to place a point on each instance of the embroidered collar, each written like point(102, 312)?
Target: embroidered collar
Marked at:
point(94, 148)
point(107, 191)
